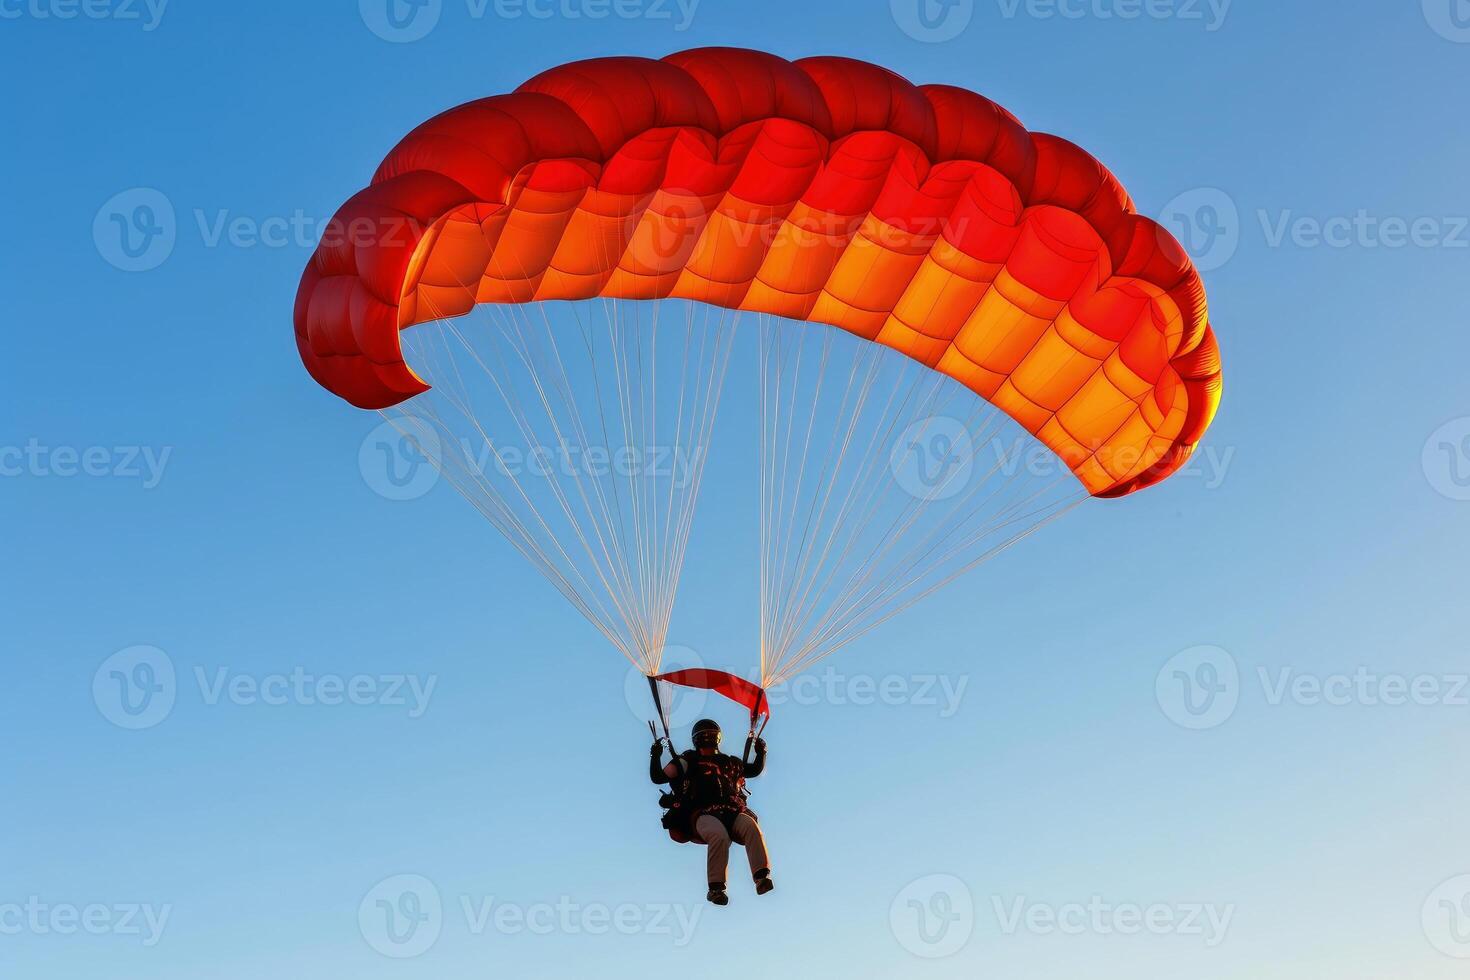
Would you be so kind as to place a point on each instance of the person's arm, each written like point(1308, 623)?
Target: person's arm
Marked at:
point(656, 770)
point(757, 765)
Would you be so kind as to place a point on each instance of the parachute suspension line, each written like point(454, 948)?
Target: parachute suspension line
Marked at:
point(609, 533)
point(855, 395)
point(868, 460)
point(661, 550)
point(903, 497)
point(466, 470)
point(461, 476)
point(708, 400)
point(518, 336)
point(791, 570)
point(914, 506)
point(564, 447)
point(869, 506)
point(779, 524)
point(833, 638)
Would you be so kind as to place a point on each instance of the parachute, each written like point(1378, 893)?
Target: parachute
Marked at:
point(575, 265)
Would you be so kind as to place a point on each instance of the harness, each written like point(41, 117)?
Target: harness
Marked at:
point(713, 783)
point(706, 786)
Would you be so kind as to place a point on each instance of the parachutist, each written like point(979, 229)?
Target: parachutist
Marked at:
point(933, 243)
point(709, 800)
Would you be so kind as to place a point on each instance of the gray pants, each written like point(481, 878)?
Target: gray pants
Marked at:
point(745, 831)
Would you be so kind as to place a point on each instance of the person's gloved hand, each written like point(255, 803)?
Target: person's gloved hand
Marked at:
point(657, 750)
point(760, 745)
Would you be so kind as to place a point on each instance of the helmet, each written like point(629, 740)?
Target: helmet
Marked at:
point(705, 732)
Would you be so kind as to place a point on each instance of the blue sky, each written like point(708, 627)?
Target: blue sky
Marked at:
point(173, 480)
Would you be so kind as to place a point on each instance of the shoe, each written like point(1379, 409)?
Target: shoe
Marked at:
point(717, 895)
point(764, 885)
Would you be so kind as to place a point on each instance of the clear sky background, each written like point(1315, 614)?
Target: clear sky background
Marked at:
point(1320, 540)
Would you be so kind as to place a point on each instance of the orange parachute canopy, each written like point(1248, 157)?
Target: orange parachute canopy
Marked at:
point(924, 218)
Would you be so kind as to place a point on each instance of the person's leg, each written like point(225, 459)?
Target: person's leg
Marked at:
point(712, 832)
point(745, 830)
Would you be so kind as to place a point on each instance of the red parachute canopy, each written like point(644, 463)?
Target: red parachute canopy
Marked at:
point(924, 218)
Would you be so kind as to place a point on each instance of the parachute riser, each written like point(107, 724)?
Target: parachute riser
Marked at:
point(663, 716)
point(755, 733)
